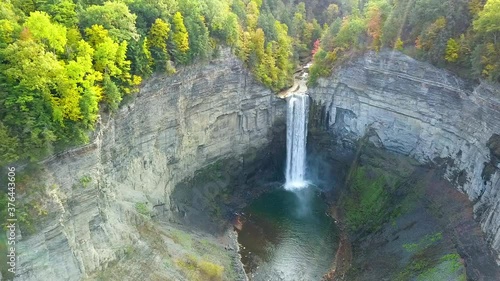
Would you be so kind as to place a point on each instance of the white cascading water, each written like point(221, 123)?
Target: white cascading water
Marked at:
point(296, 136)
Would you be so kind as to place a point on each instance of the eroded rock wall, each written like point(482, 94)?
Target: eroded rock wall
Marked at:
point(413, 108)
point(175, 126)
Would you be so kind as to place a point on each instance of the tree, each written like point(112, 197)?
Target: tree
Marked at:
point(113, 95)
point(61, 11)
point(328, 38)
point(299, 22)
point(141, 57)
point(257, 47)
point(316, 47)
point(8, 146)
point(475, 6)
point(196, 15)
point(488, 22)
point(157, 42)
point(252, 15)
point(392, 29)
point(452, 49)
point(81, 89)
point(490, 60)
point(231, 29)
point(114, 17)
point(215, 13)
point(427, 39)
point(398, 45)
point(243, 46)
point(44, 31)
point(200, 43)
point(180, 37)
point(423, 13)
point(147, 11)
point(350, 32)
point(31, 100)
point(238, 7)
point(266, 70)
point(110, 60)
point(282, 54)
point(374, 26)
point(332, 12)
point(266, 23)
point(7, 29)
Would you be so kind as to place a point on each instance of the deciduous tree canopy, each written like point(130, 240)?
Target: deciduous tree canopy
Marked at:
point(458, 34)
point(64, 61)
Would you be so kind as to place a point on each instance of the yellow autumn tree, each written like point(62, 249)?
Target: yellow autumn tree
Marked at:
point(180, 37)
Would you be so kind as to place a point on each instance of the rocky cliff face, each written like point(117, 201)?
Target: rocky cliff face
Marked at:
point(174, 127)
point(418, 110)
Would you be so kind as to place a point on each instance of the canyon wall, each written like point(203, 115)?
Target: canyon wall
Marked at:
point(175, 126)
point(413, 108)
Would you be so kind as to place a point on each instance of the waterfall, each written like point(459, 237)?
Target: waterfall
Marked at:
point(296, 136)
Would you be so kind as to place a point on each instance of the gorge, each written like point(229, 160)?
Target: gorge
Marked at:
point(157, 189)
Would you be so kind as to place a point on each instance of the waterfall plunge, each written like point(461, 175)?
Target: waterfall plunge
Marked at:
point(296, 136)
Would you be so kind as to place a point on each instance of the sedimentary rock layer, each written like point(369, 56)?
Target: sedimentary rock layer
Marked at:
point(175, 126)
point(413, 108)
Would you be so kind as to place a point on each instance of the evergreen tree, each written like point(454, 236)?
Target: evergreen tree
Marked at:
point(180, 38)
point(157, 43)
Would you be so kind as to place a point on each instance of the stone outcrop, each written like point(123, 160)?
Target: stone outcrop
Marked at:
point(175, 126)
point(413, 108)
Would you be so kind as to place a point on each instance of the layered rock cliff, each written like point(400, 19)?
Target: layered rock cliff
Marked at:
point(180, 124)
point(174, 127)
point(418, 110)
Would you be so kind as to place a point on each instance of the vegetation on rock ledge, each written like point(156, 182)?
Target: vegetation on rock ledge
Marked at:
point(456, 34)
point(64, 61)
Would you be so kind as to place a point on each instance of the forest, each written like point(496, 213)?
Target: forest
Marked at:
point(64, 62)
point(459, 35)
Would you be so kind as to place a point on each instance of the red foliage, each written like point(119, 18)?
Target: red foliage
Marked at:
point(315, 47)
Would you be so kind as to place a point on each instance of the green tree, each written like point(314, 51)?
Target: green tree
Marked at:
point(195, 19)
point(148, 11)
point(231, 29)
point(238, 7)
point(488, 22)
point(257, 47)
point(350, 32)
point(7, 32)
point(8, 146)
point(61, 11)
point(252, 15)
point(114, 17)
point(44, 31)
point(82, 92)
point(31, 102)
point(113, 95)
point(452, 49)
point(332, 12)
point(110, 60)
point(141, 57)
point(283, 55)
point(243, 46)
point(427, 39)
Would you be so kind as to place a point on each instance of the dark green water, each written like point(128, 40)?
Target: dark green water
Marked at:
point(288, 236)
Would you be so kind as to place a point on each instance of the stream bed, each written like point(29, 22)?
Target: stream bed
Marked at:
point(287, 235)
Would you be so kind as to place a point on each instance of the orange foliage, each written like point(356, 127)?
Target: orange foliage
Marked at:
point(374, 26)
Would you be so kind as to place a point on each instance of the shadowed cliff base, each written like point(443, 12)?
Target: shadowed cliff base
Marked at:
point(212, 198)
point(402, 221)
